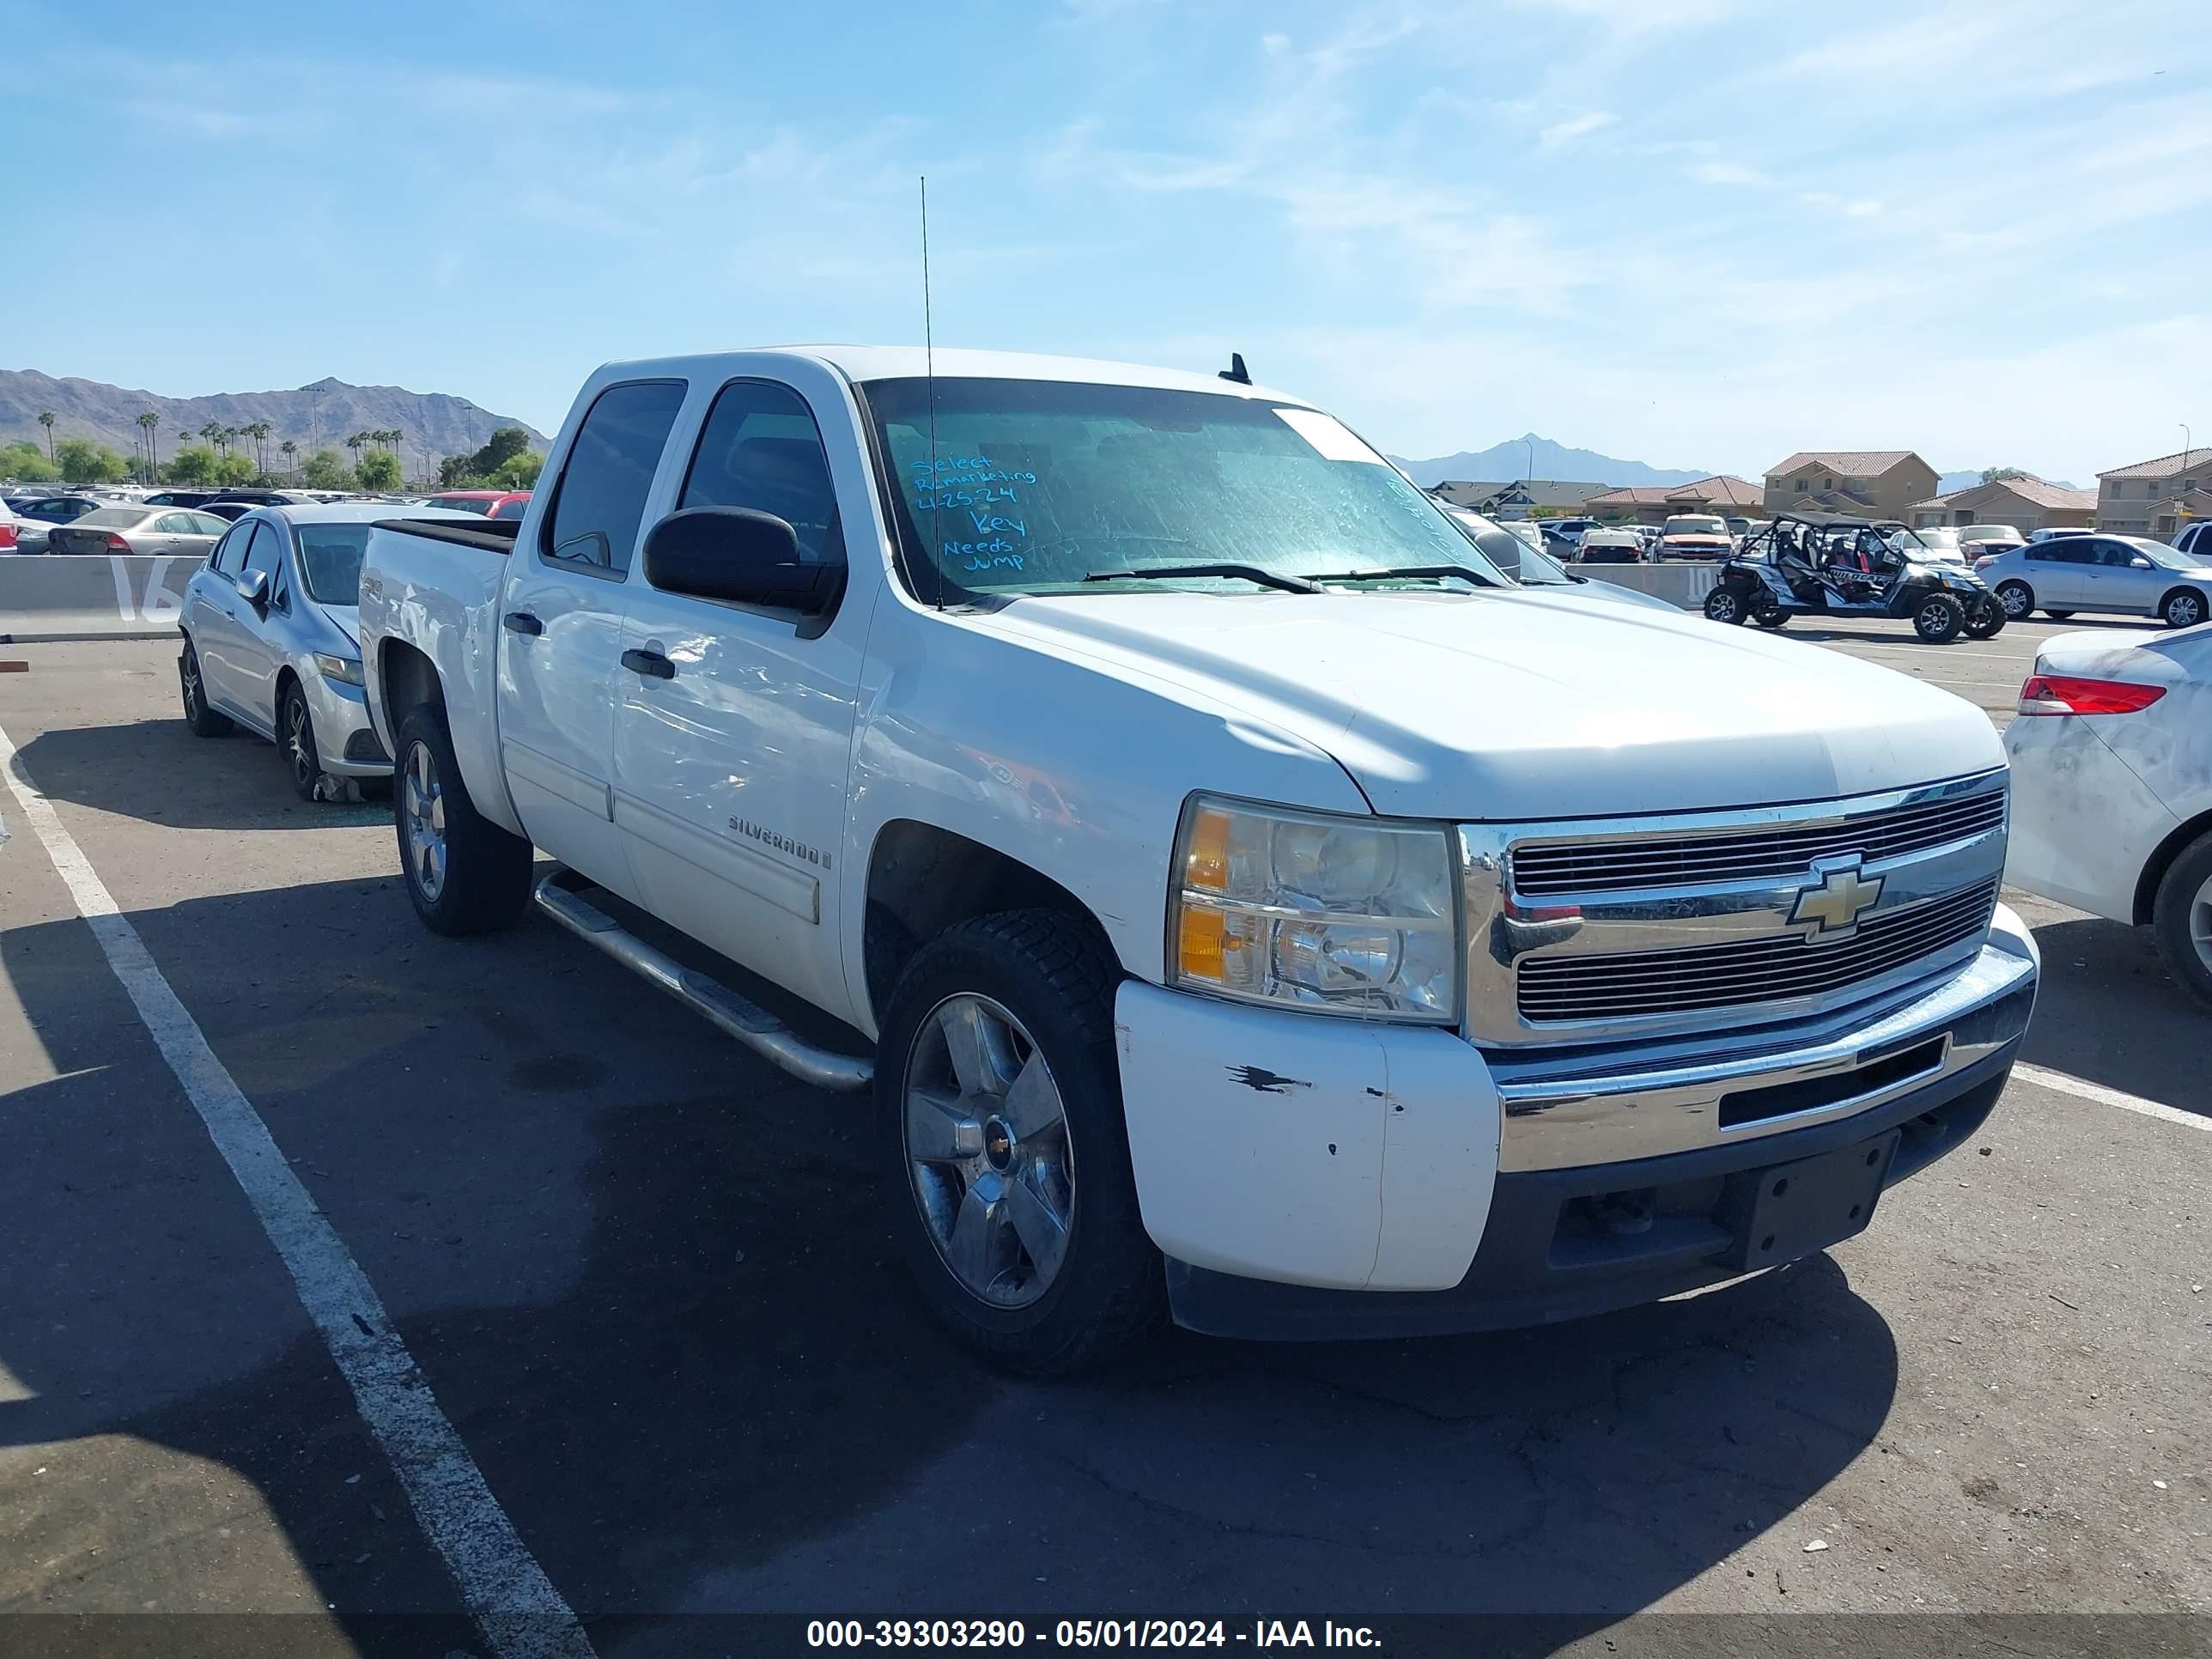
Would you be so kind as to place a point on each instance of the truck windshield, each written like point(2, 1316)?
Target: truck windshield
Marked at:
point(1047, 486)
point(1693, 525)
point(330, 560)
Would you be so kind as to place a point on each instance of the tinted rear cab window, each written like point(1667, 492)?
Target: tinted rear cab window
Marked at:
point(599, 501)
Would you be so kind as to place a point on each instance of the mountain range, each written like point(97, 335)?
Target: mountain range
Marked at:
point(1532, 457)
point(325, 413)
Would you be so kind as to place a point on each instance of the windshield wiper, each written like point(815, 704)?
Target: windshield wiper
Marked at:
point(1431, 573)
point(1250, 573)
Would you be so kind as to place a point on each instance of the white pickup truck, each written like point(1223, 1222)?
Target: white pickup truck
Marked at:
point(1241, 899)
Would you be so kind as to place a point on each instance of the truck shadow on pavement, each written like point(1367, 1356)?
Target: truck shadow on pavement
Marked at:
point(649, 1282)
point(2128, 1023)
point(157, 771)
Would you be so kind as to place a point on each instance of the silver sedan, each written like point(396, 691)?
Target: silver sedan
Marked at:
point(177, 530)
point(2124, 574)
point(272, 641)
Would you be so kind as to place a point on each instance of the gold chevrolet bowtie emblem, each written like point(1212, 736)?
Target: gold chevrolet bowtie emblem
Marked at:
point(1836, 905)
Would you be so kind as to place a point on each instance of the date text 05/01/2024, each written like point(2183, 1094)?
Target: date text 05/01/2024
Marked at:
point(999, 1633)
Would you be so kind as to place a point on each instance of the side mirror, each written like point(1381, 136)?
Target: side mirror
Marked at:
point(254, 587)
point(2141, 563)
point(736, 554)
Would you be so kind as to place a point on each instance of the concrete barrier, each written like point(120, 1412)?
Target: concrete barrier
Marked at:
point(1685, 585)
point(72, 596)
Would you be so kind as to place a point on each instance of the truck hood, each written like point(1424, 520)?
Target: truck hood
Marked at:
point(1522, 704)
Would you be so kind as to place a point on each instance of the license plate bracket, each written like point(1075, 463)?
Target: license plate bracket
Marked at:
point(1792, 1210)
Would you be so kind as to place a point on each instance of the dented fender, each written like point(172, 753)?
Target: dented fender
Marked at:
point(1305, 1149)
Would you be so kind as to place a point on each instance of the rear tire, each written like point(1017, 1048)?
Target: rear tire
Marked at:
point(2181, 917)
point(465, 874)
point(2059, 616)
point(2017, 597)
point(1987, 619)
point(1938, 619)
point(1019, 1224)
point(1766, 610)
point(203, 719)
point(2183, 608)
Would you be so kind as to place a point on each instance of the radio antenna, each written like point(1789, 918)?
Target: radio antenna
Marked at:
point(935, 553)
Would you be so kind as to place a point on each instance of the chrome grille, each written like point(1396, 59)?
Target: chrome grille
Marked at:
point(1643, 983)
point(1686, 861)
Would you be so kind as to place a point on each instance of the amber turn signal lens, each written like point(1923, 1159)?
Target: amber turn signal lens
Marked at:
point(1202, 950)
point(1205, 868)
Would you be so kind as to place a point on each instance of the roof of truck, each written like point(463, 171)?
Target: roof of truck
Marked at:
point(877, 362)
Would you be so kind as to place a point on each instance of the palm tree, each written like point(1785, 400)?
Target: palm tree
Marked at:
point(211, 432)
point(289, 449)
point(230, 435)
point(46, 420)
point(149, 423)
point(354, 443)
point(258, 431)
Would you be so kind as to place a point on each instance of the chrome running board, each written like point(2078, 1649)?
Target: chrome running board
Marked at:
point(754, 1026)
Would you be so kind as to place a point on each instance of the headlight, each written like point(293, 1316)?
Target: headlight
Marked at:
point(346, 670)
point(1339, 915)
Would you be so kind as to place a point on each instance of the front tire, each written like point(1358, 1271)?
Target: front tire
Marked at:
point(2017, 597)
point(1938, 619)
point(2181, 917)
point(295, 728)
point(1005, 1158)
point(1986, 620)
point(1766, 610)
point(2058, 615)
point(203, 719)
point(1721, 605)
point(465, 874)
point(2184, 608)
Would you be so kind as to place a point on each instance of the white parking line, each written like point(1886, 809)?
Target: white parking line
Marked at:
point(514, 1605)
point(2082, 1089)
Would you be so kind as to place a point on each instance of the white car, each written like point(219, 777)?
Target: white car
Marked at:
point(1930, 542)
point(2123, 575)
point(1236, 904)
point(2111, 810)
point(1979, 538)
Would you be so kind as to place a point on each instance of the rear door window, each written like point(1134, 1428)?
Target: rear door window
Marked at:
point(598, 502)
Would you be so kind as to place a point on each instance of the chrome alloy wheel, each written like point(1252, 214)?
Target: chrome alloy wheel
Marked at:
point(191, 677)
point(423, 811)
point(295, 743)
point(2200, 923)
point(987, 1151)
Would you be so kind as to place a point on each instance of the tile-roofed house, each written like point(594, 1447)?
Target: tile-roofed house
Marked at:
point(1562, 495)
point(1866, 483)
point(1654, 503)
point(2026, 504)
point(2156, 497)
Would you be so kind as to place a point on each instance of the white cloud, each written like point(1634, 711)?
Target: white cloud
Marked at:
point(1564, 133)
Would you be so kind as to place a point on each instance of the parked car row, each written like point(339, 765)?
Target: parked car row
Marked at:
point(28, 518)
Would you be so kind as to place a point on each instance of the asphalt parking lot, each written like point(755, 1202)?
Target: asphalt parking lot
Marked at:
point(644, 1278)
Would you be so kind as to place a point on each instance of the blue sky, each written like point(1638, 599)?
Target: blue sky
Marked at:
point(1692, 232)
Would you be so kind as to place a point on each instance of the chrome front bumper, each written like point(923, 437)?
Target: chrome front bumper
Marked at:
point(1628, 1102)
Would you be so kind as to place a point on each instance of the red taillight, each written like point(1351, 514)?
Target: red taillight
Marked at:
point(2064, 694)
point(116, 543)
point(7, 536)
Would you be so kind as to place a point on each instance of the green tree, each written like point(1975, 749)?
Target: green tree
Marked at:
point(380, 471)
point(289, 451)
point(82, 461)
point(2002, 474)
point(451, 470)
point(210, 434)
point(235, 470)
point(193, 463)
point(502, 447)
point(520, 472)
point(24, 461)
point(46, 420)
point(149, 423)
point(325, 469)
